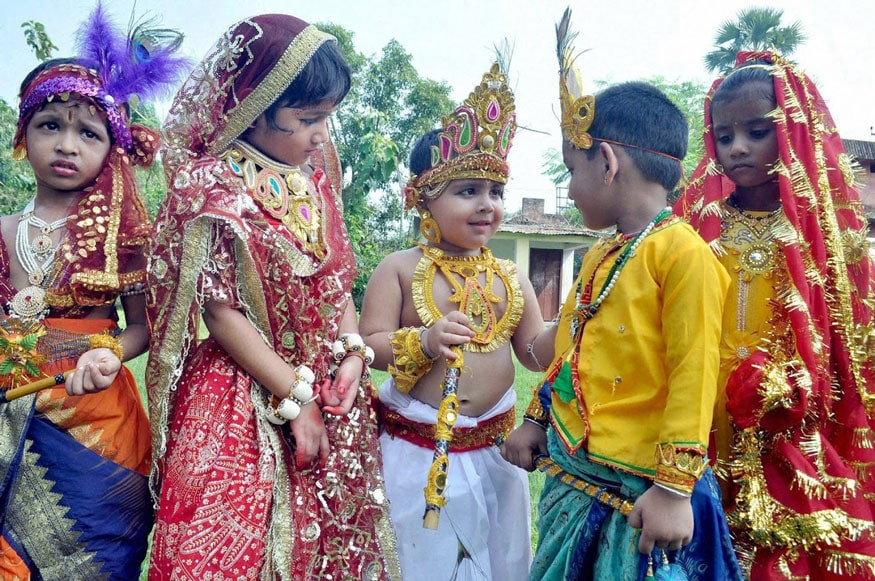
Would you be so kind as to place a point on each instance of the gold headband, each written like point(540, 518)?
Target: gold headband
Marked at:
point(474, 143)
point(578, 110)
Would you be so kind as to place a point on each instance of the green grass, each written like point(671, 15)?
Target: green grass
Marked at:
point(525, 379)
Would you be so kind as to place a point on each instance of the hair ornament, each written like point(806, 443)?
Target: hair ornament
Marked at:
point(578, 109)
point(474, 143)
point(115, 68)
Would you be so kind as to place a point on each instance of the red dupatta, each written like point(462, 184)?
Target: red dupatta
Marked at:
point(810, 460)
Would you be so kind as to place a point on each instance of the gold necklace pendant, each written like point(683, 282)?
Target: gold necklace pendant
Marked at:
point(477, 301)
point(36, 276)
point(758, 259)
point(41, 246)
point(29, 303)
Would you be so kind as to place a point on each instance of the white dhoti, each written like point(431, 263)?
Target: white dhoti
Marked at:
point(485, 527)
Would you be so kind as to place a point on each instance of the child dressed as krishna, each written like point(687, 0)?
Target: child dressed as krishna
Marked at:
point(442, 318)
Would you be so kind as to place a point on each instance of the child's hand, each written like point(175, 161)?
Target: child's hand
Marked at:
point(311, 439)
point(523, 444)
point(453, 329)
point(665, 520)
point(337, 396)
point(95, 371)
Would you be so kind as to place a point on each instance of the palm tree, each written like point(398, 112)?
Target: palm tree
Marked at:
point(754, 29)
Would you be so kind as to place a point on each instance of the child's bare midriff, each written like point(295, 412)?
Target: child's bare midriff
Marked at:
point(486, 377)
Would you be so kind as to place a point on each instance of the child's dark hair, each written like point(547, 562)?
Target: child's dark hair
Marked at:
point(746, 78)
point(640, 115)
point(325, 77)
point(420, 156)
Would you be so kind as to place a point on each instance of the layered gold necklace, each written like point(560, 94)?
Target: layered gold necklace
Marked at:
point(477, 301)
point(282, 190)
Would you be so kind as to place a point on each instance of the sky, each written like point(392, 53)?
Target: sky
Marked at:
point(453, 41)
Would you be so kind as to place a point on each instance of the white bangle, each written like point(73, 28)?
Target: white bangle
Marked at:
point(301, 393)
point(425, 350)
point(674, 491)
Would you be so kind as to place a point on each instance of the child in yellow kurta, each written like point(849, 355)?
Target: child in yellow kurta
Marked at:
point(630, 393)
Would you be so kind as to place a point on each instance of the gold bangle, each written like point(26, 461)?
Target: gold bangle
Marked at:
point(410, 361)
point(680, 466)
point(535, 409)
point(106, 341)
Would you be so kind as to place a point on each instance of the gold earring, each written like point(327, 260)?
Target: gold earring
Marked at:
point(20, 152)
point(429, 228)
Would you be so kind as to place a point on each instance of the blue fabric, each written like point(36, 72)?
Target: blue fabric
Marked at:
point(580, 538)
point(107, 505)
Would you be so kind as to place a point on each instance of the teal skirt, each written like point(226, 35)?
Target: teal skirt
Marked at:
point(580, 538)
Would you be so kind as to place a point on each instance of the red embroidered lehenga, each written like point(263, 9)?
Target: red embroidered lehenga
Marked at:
point(797, 352)
point(270, 241)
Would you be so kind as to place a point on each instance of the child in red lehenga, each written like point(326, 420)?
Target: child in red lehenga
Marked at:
point(252, 238)
point(775, 198)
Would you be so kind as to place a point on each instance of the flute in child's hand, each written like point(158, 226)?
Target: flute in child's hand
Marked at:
point(33, 387)
point(448, 412)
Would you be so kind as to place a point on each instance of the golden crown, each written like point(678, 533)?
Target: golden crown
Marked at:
point(474, 143)
point(578, 110)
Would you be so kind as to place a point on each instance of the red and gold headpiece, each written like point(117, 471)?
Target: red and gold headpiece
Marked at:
point(474, 142)
point(578, 109)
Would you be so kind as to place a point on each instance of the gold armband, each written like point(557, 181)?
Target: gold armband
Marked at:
point(680, 467)
point(410, 360)
point(107, 341)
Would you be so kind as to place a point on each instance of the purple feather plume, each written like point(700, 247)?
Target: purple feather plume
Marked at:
point(142, 62)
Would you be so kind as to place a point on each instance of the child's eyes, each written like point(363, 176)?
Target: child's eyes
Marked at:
point(310, 121)
point(724, 139)
point(497, 193)
point(50, 125)
point(759, 133)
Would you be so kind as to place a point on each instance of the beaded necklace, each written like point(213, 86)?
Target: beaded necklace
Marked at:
point(37, 257)
point(586, 308)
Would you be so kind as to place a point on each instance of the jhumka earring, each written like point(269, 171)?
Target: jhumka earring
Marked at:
point(20, 152)
point(429, 228)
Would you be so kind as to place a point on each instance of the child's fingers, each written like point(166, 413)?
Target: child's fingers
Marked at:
point(645, 543)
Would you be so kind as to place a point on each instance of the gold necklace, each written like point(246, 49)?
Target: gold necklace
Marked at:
point(283, 192)
point(475, 300)
point(752, 238)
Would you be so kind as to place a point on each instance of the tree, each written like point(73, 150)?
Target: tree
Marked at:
point(38, 40)
point(388, 108)
point(755, 29)
point(17, 183)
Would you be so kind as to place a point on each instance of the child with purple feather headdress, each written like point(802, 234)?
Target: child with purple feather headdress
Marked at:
point(75, 458)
